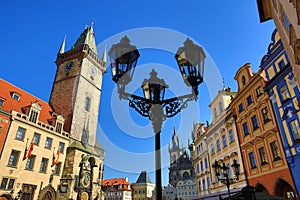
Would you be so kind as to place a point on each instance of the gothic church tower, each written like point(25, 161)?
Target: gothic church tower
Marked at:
point(181, 165)
point(175, 151)
point(77, 87)
point(76, 96)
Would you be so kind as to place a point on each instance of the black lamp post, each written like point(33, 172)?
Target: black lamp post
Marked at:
point(224, 170)
point(153, 105)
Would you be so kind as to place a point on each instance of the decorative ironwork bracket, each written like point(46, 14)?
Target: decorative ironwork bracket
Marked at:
point(171, 106)
point(228, 181)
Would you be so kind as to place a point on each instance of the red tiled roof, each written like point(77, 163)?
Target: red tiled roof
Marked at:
point(115, 182)
point(6, 91)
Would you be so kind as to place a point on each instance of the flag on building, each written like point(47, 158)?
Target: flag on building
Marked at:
point(55, 158)
point(29, 150)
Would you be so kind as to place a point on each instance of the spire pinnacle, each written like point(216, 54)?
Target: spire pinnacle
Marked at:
point(62, 46)
point(88, 38)
point(104, 55)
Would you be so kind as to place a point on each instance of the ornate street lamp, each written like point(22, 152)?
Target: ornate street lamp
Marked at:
point(190, 59)
point(224, 169)
point(123, 61)
point(154, 105)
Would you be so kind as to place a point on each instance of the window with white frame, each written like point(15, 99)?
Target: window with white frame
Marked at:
point(231, 137)
point(224, 140)
point(16, 96)
point(7, 183)
point(284, 93)
point(259, 91)
point(44, 165)
point(61, 147)
point(252, 160)
point(266, 115)
point(57, 169)
point(1, 101)
point(218, 145)
point(294, 125)
point(48, 143)
point(13, 158)
point(212, 148)
point(275, 151)
point(36, 138)
point(30, 162)
point(286, 22)
point(254, 122)
point(262, 155)
point(58, 128)
point(20, 133)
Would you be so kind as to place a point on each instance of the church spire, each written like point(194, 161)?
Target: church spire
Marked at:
point(87, 37)
point(85, 134)
point(62, 46)
point(175, 140)
point(104, 55)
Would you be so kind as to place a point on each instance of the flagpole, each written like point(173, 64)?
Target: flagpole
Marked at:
point(26, 149)
point(53, 157)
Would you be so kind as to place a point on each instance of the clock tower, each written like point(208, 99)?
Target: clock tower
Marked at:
point(76, 96)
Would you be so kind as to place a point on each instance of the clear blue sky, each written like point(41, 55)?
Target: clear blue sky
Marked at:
point(229, 31)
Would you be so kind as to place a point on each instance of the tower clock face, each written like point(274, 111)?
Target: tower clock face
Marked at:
point(84, 196)
point(86, 179)
point(93, 71)
point(68, 66)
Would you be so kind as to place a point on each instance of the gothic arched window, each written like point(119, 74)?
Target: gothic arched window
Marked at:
point(185, 176)
point(243, 80)
point(87, 104)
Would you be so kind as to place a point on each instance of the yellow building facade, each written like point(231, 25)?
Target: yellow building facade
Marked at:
point(223, 143)
point(29, 122)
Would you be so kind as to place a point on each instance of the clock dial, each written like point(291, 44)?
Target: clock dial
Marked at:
point(93, 71)
point(68, 66)
point(86, 178)
point(84, 196)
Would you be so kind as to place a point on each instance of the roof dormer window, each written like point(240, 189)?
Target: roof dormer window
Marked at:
point(58, 127)
point(34, 112)
point(59, 123)
point(1, 101)
point(33, 116)
point(16, 96)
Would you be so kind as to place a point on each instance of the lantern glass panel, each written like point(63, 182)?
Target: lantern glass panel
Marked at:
point(225, 169)
point(123, 58)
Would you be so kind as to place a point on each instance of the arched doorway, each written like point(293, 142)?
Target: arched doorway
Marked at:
point(261, 188)
point(48, 193)
point(283, 189)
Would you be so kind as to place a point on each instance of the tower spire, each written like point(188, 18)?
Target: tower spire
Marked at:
point(62, 46)
point(104, 55)
point(87, 37)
